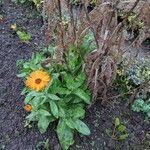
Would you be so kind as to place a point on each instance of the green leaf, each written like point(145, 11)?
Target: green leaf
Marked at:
point(51, 49)
point(69, 81)
point(83, 95)
point(146, 107)
point(63, 91)
point(88, 43)
point(43, 112)
point(77, 100)
point(117, 122)
point(61, 112)
point(49, 86)
point(54, 109)
point(123, 137)
point(138, 105)
point(43, 100)
point(24, 91)
point(24, 74)
point(78, 112)
point(35, 102)
point(70, 123)
point(43, 123)
point(32, 116)
point(53, 97)
point(81, 78)
point(23, 36)
point(82, 127)
point(121, 128)
point(65, 135)
point(30, 96)
point(46, 145)
point(72, 59)
point(74, 83)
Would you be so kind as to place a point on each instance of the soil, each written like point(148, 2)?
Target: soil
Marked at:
point(13, 134)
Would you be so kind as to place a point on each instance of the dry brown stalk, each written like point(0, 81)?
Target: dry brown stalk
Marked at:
point(101, 64)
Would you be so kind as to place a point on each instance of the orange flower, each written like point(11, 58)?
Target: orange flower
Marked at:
point(28, 107)
point(37, 80)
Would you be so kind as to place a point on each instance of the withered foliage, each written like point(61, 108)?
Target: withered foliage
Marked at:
point(100, 64)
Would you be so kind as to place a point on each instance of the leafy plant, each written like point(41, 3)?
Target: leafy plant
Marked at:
point(122, 84)
point(142, 106)
point(23, 36)
point(136, 74)
point(118, 132)
point(63, 100)
point(139, 72)
point(93, 2)
point(133, 23)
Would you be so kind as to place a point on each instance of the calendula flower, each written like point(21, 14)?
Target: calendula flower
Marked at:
point(28, 107)
point(37, 80)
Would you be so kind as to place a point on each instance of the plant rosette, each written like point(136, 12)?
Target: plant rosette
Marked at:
point(56, 94)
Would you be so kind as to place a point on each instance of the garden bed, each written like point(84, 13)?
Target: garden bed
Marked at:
point(13, 134)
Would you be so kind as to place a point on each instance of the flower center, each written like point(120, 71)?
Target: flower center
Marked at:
point(38, 81)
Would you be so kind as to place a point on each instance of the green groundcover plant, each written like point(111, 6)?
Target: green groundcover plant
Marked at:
point(118, 132)
point(138, 74)
point(24, 36)
point(141, 74)
point(58, 93)
point(143, 107)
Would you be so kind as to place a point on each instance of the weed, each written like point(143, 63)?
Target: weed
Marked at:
point(118, 132)
point(133, 23)
point(142, 106)
point(22, 35)
point(137, 74)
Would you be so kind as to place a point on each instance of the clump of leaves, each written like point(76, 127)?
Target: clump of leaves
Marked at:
point(142, 106)
point(139, 72)
point(122, 84)
point(63, 100)
point(133, 23)
point(23, 36)
point(118, 132)
point(93, 2)
point(142, 102)
point(136, 75)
